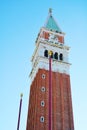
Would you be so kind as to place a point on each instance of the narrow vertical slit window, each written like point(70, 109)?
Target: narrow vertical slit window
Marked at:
point(42, 119)
point(43, 76)
point(43, 89)
point(42, 103)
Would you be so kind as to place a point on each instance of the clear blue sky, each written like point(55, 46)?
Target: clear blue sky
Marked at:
point(20, 22)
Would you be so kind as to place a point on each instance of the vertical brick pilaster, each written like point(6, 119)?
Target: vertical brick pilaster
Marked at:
point(62, 100)
point(70, 105)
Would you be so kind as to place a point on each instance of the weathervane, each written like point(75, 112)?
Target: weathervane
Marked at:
point(50, 11)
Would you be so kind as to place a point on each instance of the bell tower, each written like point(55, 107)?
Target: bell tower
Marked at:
point(50, 103)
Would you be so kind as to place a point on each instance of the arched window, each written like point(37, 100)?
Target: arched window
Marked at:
point(46, 53)
point(61, 56)
point(56, 55)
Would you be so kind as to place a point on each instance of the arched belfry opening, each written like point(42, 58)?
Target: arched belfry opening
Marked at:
point(61, 56)
point(46, 53)
point(56, 56)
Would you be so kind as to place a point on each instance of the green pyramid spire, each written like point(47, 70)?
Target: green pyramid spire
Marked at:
point(51, 23)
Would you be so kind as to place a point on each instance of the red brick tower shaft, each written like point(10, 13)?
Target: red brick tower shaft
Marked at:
point(50, 102)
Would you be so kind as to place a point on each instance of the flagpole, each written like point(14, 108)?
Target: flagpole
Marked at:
point(50, 91)
point(20, 106)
